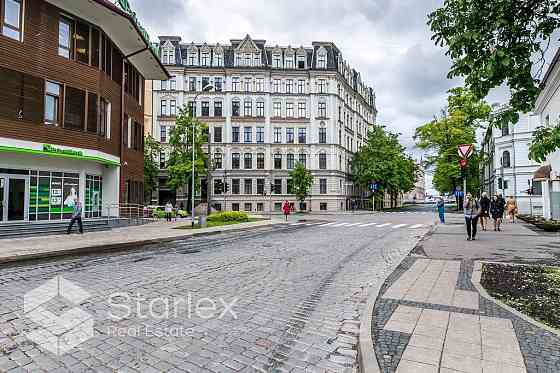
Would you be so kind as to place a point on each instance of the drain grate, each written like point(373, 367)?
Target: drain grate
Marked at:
point(193, 251)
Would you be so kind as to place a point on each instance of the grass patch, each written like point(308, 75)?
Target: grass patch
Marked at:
point(219, 223)
point(532, 290)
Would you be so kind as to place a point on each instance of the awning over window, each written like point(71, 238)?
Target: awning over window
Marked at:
point(543, 173)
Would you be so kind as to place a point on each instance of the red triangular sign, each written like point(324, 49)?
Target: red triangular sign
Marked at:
point(465, 150)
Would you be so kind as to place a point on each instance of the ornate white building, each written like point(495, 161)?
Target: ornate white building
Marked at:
point(269, 108)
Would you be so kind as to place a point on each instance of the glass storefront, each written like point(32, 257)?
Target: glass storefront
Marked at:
point(52, 195)
point(94, 194)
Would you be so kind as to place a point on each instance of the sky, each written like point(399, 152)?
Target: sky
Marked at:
point(388, 41)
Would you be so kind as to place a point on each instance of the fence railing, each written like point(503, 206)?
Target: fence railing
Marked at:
point(129, 211)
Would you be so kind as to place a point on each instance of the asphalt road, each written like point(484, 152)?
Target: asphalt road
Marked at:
point(282, 299)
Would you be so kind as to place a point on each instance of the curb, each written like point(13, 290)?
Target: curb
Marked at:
point(367, 357)
point(116, 247)
point(475, 279)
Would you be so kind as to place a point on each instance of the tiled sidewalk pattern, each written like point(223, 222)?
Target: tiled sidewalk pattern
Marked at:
point(433, 281)
point(450, 342)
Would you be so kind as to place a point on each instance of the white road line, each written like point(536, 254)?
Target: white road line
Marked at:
point(316, 223)
point(297, 223)
point(417, 226)
point(327, 224)
point(340, 224)
point(383, 225)
point(367, 225)
point(353, 224)
point(399, 226)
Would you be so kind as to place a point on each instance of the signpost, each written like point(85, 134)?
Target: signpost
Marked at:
point(465, 151)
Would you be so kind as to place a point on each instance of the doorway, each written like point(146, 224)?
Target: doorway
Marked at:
point(14, 198)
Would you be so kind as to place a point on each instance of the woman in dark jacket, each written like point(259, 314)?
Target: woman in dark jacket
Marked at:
point(497, 212)
point(484, 210)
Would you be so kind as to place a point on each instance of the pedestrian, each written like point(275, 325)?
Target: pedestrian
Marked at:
point(76, 216)
point(484, 210)
point(286, 209)
point(471, 210)
point(168, 211)
point(511, 207)
point(497, 212)
point(441, 209)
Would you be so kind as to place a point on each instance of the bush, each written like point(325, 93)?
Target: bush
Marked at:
point(229, 216)
point(551, 226)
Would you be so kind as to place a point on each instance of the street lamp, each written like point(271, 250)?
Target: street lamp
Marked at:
point(206, 88)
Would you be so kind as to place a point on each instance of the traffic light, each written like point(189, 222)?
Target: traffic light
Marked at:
point(226, 187)
point(219, 186)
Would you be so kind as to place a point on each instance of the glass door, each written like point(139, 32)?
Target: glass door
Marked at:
point(14, 198)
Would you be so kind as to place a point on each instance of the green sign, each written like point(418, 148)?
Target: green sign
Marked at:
point(125, 6)
point(51, 149)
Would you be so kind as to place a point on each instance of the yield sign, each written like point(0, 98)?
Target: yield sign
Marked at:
point(465, 150)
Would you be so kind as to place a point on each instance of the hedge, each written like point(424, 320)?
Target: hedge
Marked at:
point(229, 216)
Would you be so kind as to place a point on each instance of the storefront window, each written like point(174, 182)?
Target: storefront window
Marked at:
point(52, 195)
point(94, 194)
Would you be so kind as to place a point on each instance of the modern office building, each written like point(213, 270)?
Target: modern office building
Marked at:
point(269, 107)
point(71, 107)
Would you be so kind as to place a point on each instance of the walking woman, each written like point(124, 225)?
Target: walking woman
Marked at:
point(441, 209)
point(497, 211)
point(484, 210)
point(511, 208)
point(286, 209)
point(471, 210)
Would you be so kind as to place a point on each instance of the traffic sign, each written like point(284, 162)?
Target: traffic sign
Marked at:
point(463, 162)
point(465, 150)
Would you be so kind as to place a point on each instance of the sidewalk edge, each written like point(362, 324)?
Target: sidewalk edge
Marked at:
point(475, 279)
point(114, 247)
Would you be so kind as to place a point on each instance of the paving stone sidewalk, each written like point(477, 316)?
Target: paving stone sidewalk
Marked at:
point(429, 318)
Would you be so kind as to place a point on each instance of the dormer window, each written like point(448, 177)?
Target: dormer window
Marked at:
point(322, 61)
point(276, 61)
point(301, 62)
point(256, 59)
point(165, 57)
point(218, 60)
point(290, 62)
point(205, 59)
point(192, 60)
point(247, 61)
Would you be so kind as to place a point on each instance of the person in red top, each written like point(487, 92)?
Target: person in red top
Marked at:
point(286, 209)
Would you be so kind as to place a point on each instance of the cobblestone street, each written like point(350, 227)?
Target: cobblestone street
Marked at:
point(290, 296)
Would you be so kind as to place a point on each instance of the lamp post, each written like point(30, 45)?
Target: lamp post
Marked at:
point(206, 88)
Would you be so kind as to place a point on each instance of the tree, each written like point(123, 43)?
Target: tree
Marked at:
point(180, 158)
point(302, 180)
point(152, 149)
point(491, 42)
point(456, 125)
point(382, 160)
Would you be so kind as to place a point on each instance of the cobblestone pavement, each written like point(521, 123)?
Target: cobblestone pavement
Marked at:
point(291, 299)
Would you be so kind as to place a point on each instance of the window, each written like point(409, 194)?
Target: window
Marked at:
point(65, 32)
point(323, 186)
point(322, 110)
point(219, 59)
point(277, 135)
point(302, 135)
point(205, 82)
point(322, 135)
point(92, 113)
point(248, 184)
point(235, 84)
point(192, 84)
point(235, 106)
point(290, 186)
point(260, 187)
point(322, 86)
point(235, 189)
point(290, 135)
point(172, 107)
point(192, 108)
point(235, 207)
point(248, 134)
point(289, 109)
point(537, 188)
point(235, 161)
point(248, 108)
point(163, 133)
point(260, 84)
point(506, 161)
point(276, 86)
point(104, 117)
point(303, 159)
point(247, 207)
point(301, 62)
point(322, 61)
point(260, 161)
point(205, 108)
point(260, 109)
point(277, 161)
point(218, 84)
point(290, 160)
point(248, 161)
point(217, 108)
point(302, 112)
point(163, 107)
point(505, 130)
point(289, 86)
point(234, 134)
point(301, 86)
point(218, 160)
point(247, 84)
point(52, 103)
point(277, 61)
point(290, 62)
point(162, 164)
point(277, 186)
point(163, 84)
point(277, 106)
point(217, 134)
point(322, 161)
point(205, 59)
point(82, 42)
point(173, 84)
point(323, 206)
point(260, 135)
point(74, 108)
point(277, 206)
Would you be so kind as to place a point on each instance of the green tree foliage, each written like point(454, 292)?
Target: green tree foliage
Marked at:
point(383, 160)
point(152, 149)
point(441, 136)
point(180, 143)
point(302, 180)
point(491, 42)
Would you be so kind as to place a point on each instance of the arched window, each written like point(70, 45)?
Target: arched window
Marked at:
point(506, 161)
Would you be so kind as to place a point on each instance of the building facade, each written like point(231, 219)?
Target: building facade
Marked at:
point(418, 194)
point(506, 168)
point(268, 108)
point(71, 107)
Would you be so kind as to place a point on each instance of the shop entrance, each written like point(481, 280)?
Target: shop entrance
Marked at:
point(14, 198)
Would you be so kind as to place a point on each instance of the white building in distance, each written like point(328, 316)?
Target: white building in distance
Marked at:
point(269, 108)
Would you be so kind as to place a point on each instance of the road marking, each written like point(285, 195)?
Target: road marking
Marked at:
point(316, 223)
point(383, 225)
point(339, 224)
point(353, 224)
point(399, 226)
point(325, 225)
point(368, 224)
point(417, 226)
point(297, 223)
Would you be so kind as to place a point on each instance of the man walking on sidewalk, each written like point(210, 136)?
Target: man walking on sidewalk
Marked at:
point(76, 216)
point(471, 208)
